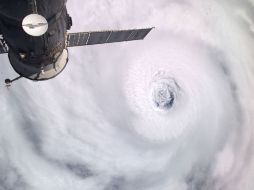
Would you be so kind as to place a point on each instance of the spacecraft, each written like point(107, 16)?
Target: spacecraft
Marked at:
point(35, 35)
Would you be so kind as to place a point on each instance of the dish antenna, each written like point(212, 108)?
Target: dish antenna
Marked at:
point(35, 25)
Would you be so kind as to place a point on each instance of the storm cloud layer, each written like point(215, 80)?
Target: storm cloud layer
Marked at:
point(174, 111)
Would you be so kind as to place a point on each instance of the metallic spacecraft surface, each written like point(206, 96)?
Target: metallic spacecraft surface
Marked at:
point(34, 34)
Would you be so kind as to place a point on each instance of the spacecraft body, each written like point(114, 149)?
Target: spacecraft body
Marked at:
point(35, 57)
point(34, 34)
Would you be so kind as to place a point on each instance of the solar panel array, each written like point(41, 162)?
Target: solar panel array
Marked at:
point(91, 38)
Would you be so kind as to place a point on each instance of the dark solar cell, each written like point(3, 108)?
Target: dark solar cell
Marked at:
point(119, 36)
point(98, 37)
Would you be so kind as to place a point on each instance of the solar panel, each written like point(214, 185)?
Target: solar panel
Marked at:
point(119, 36)
point(77, 39)
point(3, 46)
point(102, 37)
point(138, 34)
point(98, 38)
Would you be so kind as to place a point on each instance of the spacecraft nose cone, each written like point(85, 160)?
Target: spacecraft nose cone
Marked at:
point(35, 25)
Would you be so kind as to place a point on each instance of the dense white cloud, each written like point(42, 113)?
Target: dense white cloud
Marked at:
point(99, 125)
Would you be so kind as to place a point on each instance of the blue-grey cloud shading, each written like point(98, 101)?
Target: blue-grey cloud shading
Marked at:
point(172, 112)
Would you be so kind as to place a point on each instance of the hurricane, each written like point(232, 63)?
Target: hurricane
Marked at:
point(171, 112)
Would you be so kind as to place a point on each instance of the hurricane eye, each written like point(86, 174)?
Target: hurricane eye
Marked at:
point(163, 97)
point(164, 91)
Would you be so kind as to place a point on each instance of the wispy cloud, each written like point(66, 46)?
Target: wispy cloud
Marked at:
point(97, 125)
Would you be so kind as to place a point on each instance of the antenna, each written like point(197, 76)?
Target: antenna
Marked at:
point(35, 25)
point(8, 82)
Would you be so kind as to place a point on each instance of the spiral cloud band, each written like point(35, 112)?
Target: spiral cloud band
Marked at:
point(189, 74)
point(172, 112)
